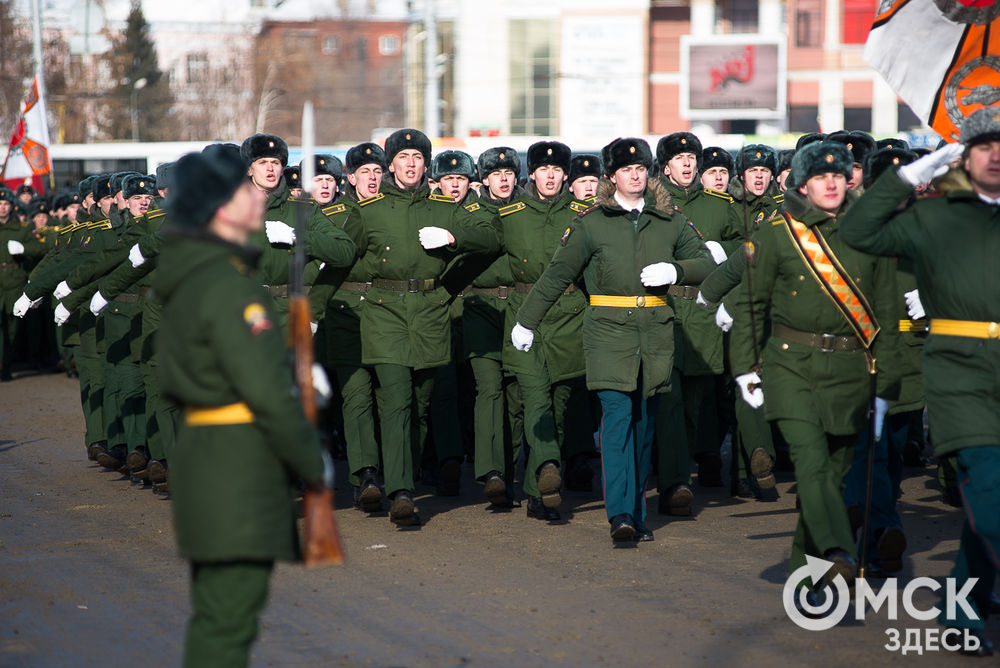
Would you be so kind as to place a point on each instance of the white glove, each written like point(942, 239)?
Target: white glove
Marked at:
point(753, 396)
point(98, 303)
point(23, 304)
point(313, 327)
point(931, 165)
point(723, 320)
point(62, 290)
point(320, 382)
point(15, 247)
point(701, 301)
point(913, 306)
point(135, 256)
point(279, 232)
point(61, 315)
point(718, 254)
point(328, 469)
point(661, 273)
point(434, 237)
point(522, 337)
point(881, 408)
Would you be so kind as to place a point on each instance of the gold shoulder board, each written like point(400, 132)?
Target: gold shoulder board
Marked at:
point(441, 198)
point(511, 208)
point(374, 198)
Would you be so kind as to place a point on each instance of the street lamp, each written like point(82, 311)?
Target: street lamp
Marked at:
point(138, 85)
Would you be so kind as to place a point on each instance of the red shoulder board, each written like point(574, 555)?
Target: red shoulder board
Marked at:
point(587, 210)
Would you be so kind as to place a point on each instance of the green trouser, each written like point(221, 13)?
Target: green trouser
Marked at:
point(90, 367)
point(702, 419)
point(821, 463)
point(359, 418)
point(124, 397)
point(226, 600)
point(404, 404)
point(673, 460)
point(947, 473)
point(574, 422)
point(446, 425)
point(539, 424)
point(499, 423)
point(8, 335)
point(752, 432)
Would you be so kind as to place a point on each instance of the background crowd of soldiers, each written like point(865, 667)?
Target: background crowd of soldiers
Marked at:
point(416, 404)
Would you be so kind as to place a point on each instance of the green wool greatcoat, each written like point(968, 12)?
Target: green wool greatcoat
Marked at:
point(609, 248)
point(219, 344)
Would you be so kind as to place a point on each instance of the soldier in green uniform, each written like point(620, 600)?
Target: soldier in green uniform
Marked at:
point(584, 175)
point(551, 377)
point(834, 322)
point(628, 248)
point(225, 361)
point(861, 145)
point(18, 247)
point(293, 178)
point(342, 292)
point(952, 242)
point(405, 238)
point(688, 421)
point(717, 168)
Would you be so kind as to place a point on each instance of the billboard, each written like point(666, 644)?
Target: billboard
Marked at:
point(733, 76)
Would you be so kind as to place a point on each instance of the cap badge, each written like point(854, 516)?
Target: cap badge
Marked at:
point(407, 136)
point(895, 161)
point(758, 154)
point(454, 161)
point(503, 156)
point(270, 144)
point(549, 152)
point(586, 163)
point(850, 146)
point(142, 184)
point(368, 151)
point(829, 157)
point(631, 149)
point(684, 140)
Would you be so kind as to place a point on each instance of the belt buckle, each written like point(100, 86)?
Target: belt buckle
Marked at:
point(411, 285)
point(503, 292)
point(640, 301)
point(827, 342)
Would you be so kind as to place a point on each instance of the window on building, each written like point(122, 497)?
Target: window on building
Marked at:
point(533, 84)
point(858, 17)
point(803, 118)
point(330, 44)
point(808, 23)
point(361, 48)
point(858, 118)
point(740, 15)
point(906, 119)
point(388, 45)
point(197, 68)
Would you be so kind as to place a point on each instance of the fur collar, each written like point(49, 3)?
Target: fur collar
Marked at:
point(656, 196)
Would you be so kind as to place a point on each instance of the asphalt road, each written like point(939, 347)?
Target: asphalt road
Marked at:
point(89, 575)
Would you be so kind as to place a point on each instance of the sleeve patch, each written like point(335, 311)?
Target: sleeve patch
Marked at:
point(565, 236)
point(255, 315)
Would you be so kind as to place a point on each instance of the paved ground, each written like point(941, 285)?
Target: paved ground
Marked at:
point(89, 575)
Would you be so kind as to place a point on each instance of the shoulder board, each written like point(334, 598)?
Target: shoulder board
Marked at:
point(103, 224)
point(70, 228)
point(437, 197)
point(777, 219)
point(588, 210)
point(335, 208)
point(156, 213)
point(720, 195)
point(578, 206)
point(779, 198)
point(511, 208)
point(472, 207)
point(373, 198)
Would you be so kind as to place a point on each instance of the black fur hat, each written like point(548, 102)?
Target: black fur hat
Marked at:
point(981, 125)
point(293, 178)
point(368, 153)
point(260, 146)
point(102, 186)
point(323, 163)
point(86, 185)
point(584, 164)
point(37, 205)
point(892, 143)
point(675, 144)
point(785, 159)
point(809, 138)
point(820, 158)
point(497, 158)
point(626, 151)
point(203, 182)
point(7, 195)
point(25, 188)
point(883, 159)
point(552, 153)
point(716, 156)
point(453, 162)
point(408, 138)
point(757, 155)
point(138, 185)
point(163, 172)
point(118, 178)
point(859, 143)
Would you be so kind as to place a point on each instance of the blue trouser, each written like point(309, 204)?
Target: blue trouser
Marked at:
point(884, 514)
point(626, 439)
point(979, 551)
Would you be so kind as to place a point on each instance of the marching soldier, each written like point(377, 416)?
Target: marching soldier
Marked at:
point(628, 248)
point(17, 247)
point(405, 238)
point(584, 175)
point(861, 145)
point(833, 325)
point(717, 168)
point(952, 243)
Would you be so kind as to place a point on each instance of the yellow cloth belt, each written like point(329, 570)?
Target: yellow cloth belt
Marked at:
point(627, 302)
point(203, 416)
point(913, 326)
point(970, 328)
